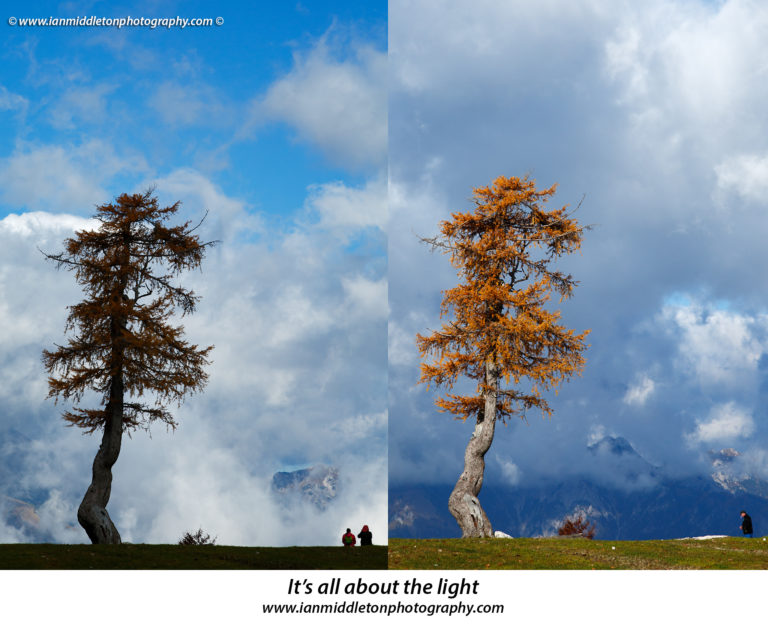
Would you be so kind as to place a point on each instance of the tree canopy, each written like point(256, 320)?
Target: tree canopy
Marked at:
point(503, 251)
point(122, 328)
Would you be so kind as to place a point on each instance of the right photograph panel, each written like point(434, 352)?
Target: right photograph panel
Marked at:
point(578, 332)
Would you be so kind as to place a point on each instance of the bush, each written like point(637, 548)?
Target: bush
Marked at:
point(199, 538)
point(576, 526)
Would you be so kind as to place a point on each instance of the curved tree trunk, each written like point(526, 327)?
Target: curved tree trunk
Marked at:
point(92, 513)
point(463, 502)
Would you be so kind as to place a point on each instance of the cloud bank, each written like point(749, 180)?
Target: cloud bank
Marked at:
point(293, 296)
point(653, 114)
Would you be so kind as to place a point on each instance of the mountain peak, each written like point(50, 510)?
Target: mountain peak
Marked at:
point(613, 445)
point(314, 484)
point(723, 456)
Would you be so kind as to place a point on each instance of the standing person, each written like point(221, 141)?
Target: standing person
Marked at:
point(746, 524)
point(348, 539)
point(366, 537)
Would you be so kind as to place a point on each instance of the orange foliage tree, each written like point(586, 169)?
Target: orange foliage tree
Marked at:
point(122, 344)
point(577, 526)
point(500, 333)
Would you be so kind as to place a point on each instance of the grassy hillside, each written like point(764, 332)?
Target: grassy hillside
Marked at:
point(174, 557)
point(577, 553)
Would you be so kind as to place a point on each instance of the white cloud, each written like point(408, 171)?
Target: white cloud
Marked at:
point(691, 63)
point(69, 179)
point(10, 534)
point(744, 175)
point(298, 375)
point(189, 479)
point(41, 224)
point(295, 316)
point(725, 423)
point(640, 392)
point(12, 102)
point(28, 286)
point(342, 207)
point(623, 60)
point(338, 105)
point(754, 461)
point(401, 345)
point(365, 297)
point(58, 520)
point(596, 434)
point(510, 471)
point(227, 217)
point(431, 47)
point(360, 427)
point(718, 345)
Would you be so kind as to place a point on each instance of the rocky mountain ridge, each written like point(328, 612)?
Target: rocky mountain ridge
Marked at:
point(645, 504)
point(317, 485)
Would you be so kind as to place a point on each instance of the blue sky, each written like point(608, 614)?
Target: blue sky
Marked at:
point(654, 113)
point(275, 124)
point(173, 97)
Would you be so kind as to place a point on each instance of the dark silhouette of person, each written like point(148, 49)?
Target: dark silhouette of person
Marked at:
point(348, 539)
point(746, 524)
point(366, 537)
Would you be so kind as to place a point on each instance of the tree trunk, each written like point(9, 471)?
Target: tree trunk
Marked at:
point(463, 502)
point(92, 513)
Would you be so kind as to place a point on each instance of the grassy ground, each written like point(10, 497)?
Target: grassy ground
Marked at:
point(577, 553)
point(175, 557)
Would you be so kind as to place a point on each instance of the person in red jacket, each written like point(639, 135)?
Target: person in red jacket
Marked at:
point(348, 539)
point(366, 537)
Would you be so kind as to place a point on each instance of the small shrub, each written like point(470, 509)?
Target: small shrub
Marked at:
point(199, 538)
point(576, 526)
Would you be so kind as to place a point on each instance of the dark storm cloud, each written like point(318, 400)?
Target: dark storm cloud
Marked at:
point(651, 112)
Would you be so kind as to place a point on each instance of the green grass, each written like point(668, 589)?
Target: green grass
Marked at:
point(442, 554)
point(577, 553)
point(175, 557)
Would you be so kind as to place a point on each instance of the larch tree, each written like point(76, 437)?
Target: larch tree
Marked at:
point(122, 343)
point(500, 332)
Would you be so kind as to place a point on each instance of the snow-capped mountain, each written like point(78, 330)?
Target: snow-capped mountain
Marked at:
point(317, 485)
point(643, 504)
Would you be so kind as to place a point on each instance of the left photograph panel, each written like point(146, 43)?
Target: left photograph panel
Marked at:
point(193, 270)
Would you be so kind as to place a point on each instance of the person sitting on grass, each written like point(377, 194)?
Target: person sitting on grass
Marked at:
point(348, 539)
point(366, 537)
point(746, 524)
